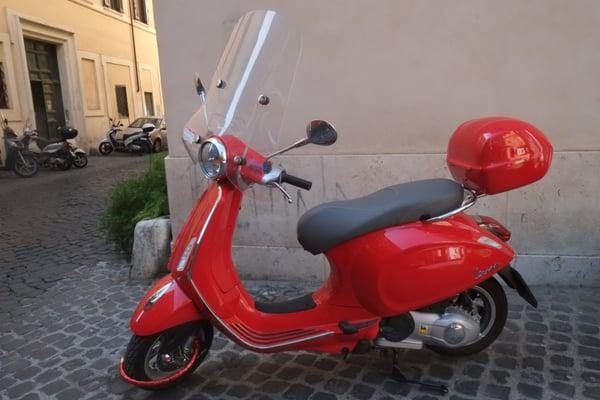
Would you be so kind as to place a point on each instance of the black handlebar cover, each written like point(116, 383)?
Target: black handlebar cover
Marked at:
point(295, 181)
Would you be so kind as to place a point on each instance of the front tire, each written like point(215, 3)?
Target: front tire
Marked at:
point(491, 305)
point(105, 148)
point(26, 169)
point(166, 358)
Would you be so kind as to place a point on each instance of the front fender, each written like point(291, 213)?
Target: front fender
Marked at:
point(163, 307)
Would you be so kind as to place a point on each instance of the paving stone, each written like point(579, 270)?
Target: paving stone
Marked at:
point(562, 388)
point(362, 392)
point(497, 392)
point(298, 392)
point(467, 387)
point(338, 386)
point(591, 392)
point(530, 391)
point(20, 389)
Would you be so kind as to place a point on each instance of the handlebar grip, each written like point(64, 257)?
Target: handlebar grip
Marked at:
point(295, 181)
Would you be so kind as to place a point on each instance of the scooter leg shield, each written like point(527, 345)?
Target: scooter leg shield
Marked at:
point(163, 307)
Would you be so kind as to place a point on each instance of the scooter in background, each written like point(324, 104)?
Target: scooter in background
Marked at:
point(409, 268)
point(14, 155)
point(135, 142)
point(109, 143)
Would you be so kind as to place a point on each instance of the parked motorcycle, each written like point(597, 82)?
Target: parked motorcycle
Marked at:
point(58, 153)
point(136, 142)
point(14, 155)
point(409, 268)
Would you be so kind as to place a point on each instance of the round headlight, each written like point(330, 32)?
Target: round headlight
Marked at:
point(213, 158)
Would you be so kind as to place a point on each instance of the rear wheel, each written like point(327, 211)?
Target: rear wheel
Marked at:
point(26, 167)
point(80, 160)
point(160, 360)
point(487, 303)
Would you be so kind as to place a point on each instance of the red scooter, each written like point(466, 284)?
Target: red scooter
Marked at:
point(409, 269)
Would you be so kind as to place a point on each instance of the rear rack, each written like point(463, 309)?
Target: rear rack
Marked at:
point(468, 201)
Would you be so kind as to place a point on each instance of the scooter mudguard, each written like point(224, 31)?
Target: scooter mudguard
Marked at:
point(79, 151)
point(163, 307)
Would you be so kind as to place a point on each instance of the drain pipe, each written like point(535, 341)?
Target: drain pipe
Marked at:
point(135, 60)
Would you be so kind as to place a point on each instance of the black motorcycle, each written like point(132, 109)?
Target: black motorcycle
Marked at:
point(14, 155)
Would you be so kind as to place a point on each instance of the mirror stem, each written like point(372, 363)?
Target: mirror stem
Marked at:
point(299, 143)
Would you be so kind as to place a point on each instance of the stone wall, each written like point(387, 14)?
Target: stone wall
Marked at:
point(396, 78)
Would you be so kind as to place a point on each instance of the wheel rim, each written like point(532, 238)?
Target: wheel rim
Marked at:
point(80, 160)
point(161, 362)
point(482, 304)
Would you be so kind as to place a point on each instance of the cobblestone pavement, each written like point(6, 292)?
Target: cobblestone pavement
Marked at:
point(65, 311)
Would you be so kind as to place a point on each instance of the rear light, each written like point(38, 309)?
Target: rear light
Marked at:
point(493, 226)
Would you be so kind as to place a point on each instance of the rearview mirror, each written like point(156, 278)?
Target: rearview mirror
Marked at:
point(321, 133)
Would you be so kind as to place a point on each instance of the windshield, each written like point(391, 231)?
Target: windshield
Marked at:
point(249, 91)
point(138, 123)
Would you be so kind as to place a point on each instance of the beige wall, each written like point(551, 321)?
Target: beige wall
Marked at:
point(82, 30)
point(396, 77)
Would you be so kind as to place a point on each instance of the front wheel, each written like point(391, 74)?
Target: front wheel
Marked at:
point(25, 166)
point(486, 302)
point(160, 360)
point(105, 148)
point(80, 160)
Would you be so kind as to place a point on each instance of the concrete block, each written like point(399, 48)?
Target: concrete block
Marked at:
point(559, 215)
point(559, 270)
point(151, 248)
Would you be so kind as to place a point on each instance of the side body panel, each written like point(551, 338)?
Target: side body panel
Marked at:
point(407, 267)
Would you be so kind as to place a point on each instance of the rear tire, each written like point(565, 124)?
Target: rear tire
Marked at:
point(497, 298)
point(80, 160)
point(145, 355)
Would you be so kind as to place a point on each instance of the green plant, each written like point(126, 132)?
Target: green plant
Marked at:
point(133, 199)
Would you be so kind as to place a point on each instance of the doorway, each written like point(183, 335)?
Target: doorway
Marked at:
point(44, 79)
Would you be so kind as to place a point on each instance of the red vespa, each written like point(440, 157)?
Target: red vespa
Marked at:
point(409, 269)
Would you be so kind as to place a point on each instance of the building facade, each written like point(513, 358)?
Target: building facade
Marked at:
point(78, 62)
point(396, 77)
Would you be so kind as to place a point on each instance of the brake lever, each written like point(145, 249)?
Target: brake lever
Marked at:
point(285, 193)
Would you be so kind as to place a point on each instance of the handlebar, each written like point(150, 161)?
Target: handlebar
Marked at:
point(295, 181)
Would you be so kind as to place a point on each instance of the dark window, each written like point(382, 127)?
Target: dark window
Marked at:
point(149, 100)
point(3, 90)
point(122, 107)
point(139, 11)
point(116, 5)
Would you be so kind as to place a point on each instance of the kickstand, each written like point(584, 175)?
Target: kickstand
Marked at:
point(398, 376)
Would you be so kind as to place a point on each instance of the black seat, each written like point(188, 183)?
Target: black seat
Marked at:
point(330, 224)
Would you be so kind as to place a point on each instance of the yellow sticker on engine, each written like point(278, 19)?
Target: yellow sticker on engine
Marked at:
point(423, 330)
